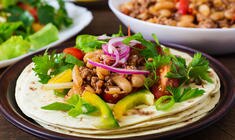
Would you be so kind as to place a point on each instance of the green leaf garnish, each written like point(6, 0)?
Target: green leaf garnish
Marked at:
point(58, 106)
point(149, 51)
point(197, 70)
point(75, 106)
point(88, 43)
point(181, 94)
point(49, 65)
point(152, 66)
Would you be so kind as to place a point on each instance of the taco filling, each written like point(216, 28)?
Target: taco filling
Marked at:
point(106, 85)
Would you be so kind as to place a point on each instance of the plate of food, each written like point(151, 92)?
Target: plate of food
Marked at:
point(116, 87)
point(26, 27)
point(207, 25)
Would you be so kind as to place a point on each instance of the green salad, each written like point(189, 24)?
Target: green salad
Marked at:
point(28, 25)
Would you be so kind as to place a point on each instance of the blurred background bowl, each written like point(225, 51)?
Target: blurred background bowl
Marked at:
point(213, 41)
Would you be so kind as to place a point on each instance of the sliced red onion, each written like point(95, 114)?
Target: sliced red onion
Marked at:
point(118, 70)
point(124, 59)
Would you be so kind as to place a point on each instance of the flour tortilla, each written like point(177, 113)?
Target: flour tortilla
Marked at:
point(200, 109)
point(30, 97)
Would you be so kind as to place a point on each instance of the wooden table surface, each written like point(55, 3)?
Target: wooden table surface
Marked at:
point(105, 22)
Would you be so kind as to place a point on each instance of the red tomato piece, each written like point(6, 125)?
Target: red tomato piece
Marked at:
point(183, 7)
point(74, 52)
point(159, 89)
point(112, 98)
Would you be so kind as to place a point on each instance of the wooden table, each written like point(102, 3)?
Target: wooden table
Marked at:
point(106, 22)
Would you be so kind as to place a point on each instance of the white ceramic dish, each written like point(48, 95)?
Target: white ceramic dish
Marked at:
point(213, 41)
point(81, 18)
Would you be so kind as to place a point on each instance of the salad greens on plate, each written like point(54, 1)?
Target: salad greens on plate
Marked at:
point(30, 24)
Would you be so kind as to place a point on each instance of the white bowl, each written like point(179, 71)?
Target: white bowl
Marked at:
point(213, 41)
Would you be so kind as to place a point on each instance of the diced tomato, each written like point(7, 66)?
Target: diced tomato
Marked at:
point(160, 50)
point(112, 98)
point(183, 7)
point(159, 89)
point(74, 52)
point(30, 9)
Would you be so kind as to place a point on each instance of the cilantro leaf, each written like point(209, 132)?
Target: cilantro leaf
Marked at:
point(178, 69)
point(149, 51)
point(88, 43)
point(58, 106)
point(47, 66)
point(198, 68)
point(181, 94)
point(42, 65)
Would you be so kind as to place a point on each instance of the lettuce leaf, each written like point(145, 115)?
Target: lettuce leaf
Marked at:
point(14, 47)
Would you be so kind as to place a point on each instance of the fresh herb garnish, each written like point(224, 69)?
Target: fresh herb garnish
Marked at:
point(149, 51)
point(181, 94)
point(197, 70)
point(152, 66)
point(88, 43)
point(75, 106)
point(47, 66)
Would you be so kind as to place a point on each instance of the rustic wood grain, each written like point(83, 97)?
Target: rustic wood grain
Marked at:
point(106, 22)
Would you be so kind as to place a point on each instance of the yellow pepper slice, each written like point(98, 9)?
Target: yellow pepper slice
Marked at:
point(107, 119)
point(65, 76)
point(132, 100)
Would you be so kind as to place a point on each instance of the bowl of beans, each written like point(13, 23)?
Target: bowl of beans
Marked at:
point(206, 25)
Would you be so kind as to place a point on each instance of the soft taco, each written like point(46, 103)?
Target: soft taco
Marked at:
point(117, 86)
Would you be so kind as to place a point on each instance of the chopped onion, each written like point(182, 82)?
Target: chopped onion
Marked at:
point(67, 85)
point(117, 50)
point(118, 70)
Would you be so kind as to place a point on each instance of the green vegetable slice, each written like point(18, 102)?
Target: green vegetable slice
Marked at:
point(164, 103)
point(132, 100)
point(43, 37)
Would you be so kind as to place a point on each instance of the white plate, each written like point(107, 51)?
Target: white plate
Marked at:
point(81, 18)
point(213, 41)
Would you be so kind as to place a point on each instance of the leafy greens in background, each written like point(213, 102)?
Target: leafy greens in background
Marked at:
point(48, 14)
point(7, 29)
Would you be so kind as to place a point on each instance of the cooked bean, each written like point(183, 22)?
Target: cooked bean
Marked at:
point(187, 19)
point(123, 83)
point(165, 13)
point(200, 14)
point(217, 16)
point(164, 5)
point(137, 80)
point(204, 10)
point(113, 90)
